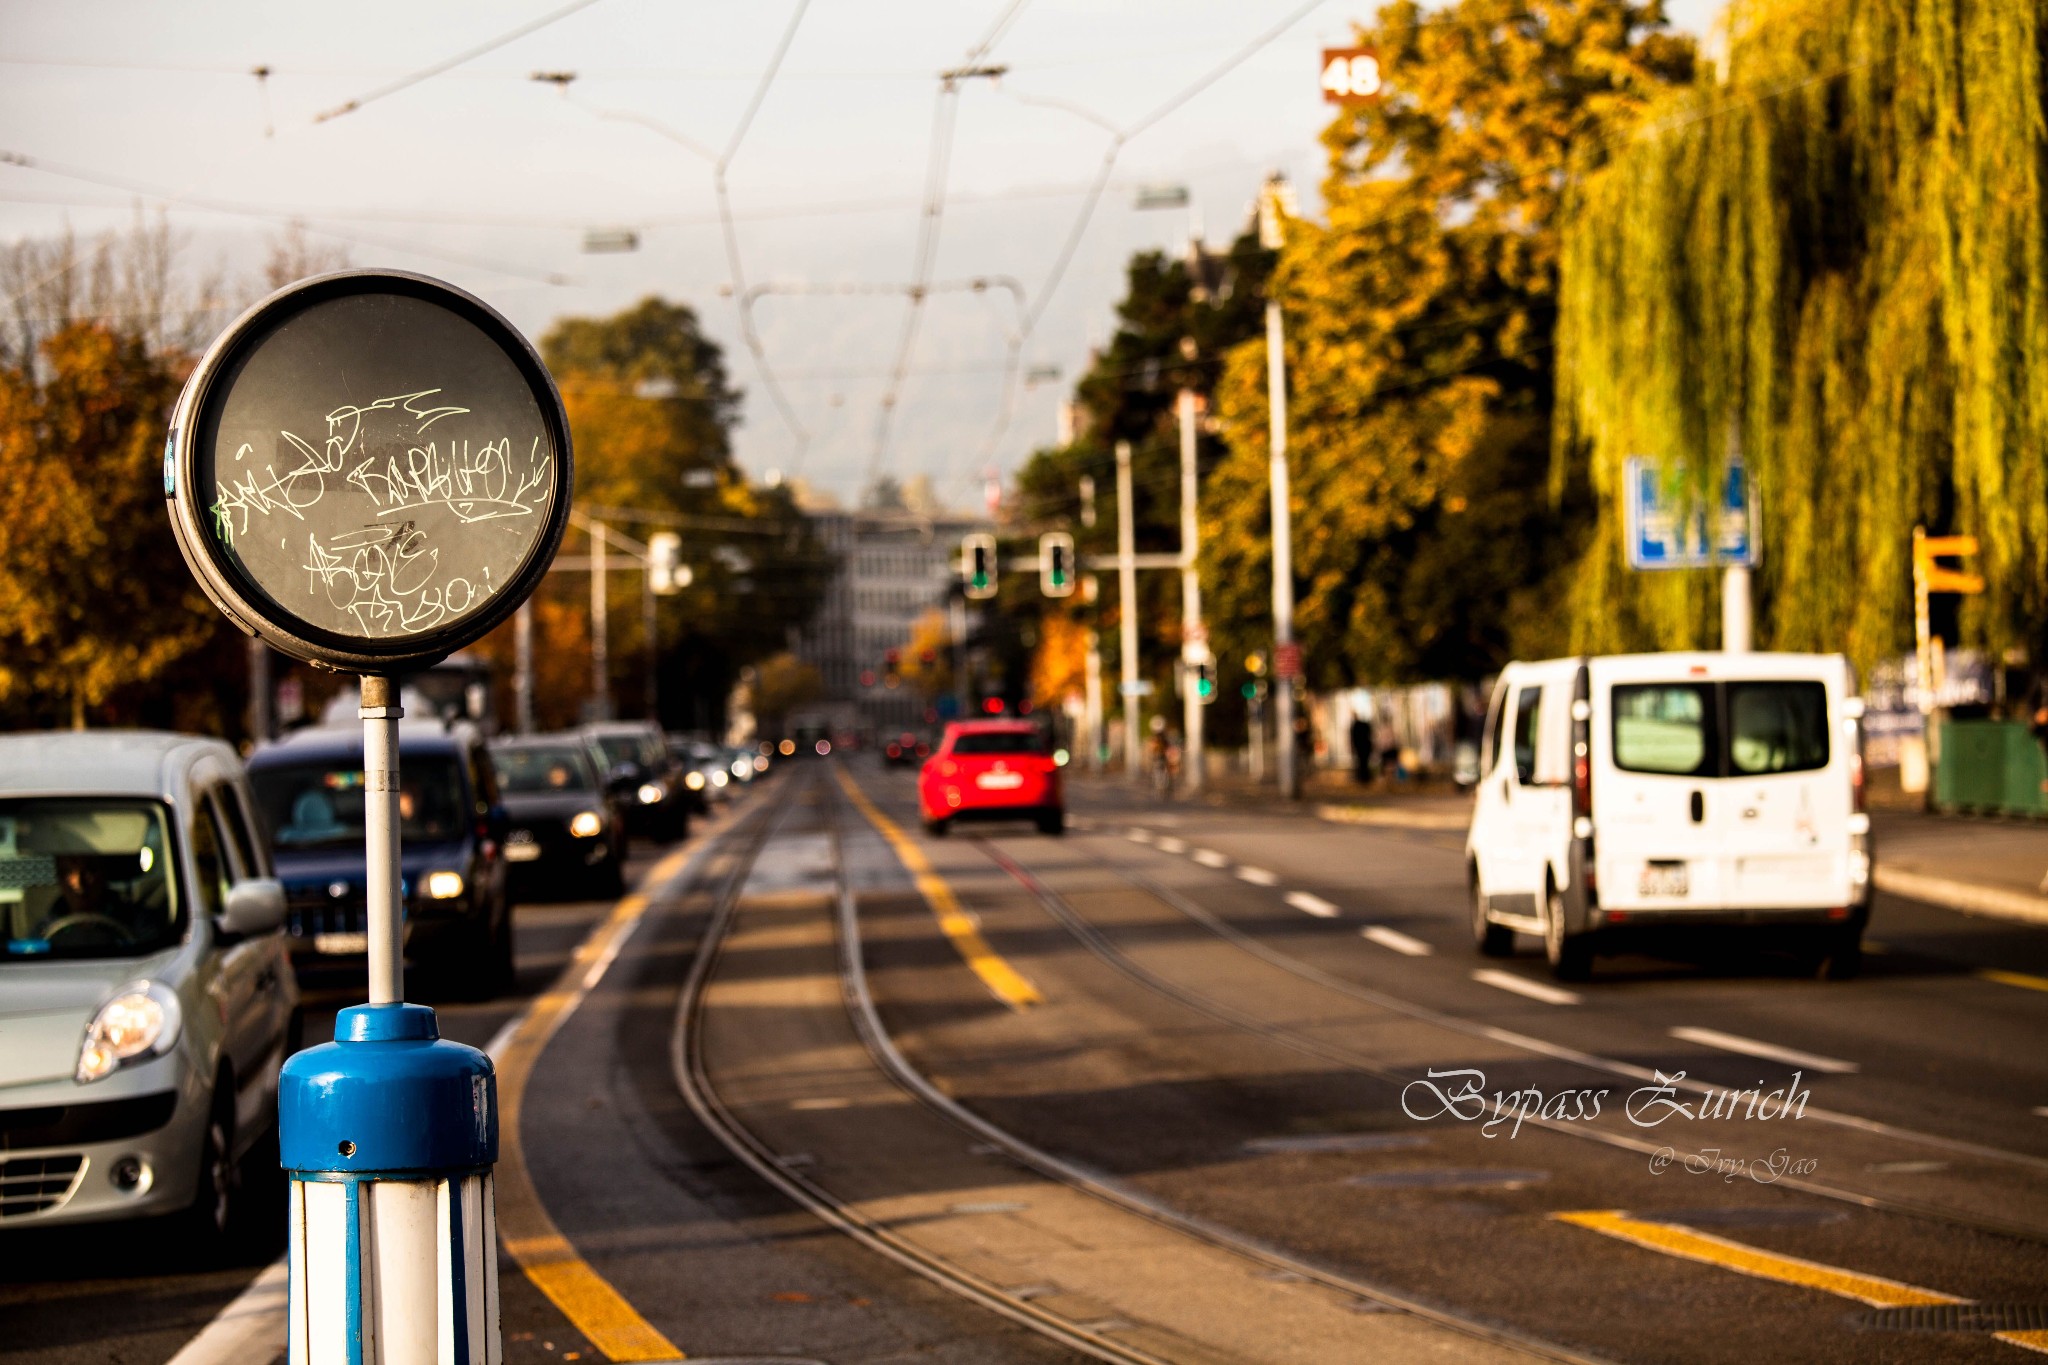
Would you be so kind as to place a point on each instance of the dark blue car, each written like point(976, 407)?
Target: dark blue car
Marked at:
point(458, 920)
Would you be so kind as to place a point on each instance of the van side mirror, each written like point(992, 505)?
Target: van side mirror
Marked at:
point(255, 906)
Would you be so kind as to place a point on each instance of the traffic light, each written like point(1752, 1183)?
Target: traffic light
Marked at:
point(1202, 677)
point(978, 565)
point(1056, 564)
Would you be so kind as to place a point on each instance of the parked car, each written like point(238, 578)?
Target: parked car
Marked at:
point(634, 758)
point(562, 826)
point(147, 996)
point(1626, 795)
point(992, 770)
point(707, 774)
point(458, 916)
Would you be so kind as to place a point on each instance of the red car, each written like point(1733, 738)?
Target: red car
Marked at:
point(992, 770)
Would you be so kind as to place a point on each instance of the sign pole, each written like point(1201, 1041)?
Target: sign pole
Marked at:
point(1735, 613)
point(1271, 209)
point(384, 886)
point(1127, 615)
point(1194, 638)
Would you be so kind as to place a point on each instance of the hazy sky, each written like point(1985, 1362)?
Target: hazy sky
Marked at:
point(489, 179)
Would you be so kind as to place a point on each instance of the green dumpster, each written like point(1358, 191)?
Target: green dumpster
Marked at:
point(1991, 767)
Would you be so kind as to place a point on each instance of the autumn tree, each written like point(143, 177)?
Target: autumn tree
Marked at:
point(1825, 256)
point(95, 601)
point(651, 413)
point(1420, 320)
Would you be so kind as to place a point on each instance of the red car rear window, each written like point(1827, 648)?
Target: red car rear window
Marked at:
point(999, 742)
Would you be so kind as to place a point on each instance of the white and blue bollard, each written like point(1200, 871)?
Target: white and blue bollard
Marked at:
point(388, 1135)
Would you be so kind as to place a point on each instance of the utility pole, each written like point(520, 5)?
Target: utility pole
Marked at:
point(1194, 650)
point(1285, 655)
point(262, 696)
point(647, 630)
point(1127, 613)
point(1093, 701)
point(522, 667)
point(600, 660)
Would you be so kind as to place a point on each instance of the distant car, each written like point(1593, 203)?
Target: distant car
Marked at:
point(1624, 796)
point(634, 759)
point(905, 749)
point(992, 770)
point(458, 915)
point(707, 771)
point(147, 995)
point(561, 824)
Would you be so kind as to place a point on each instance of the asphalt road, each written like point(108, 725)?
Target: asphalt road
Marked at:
point(1162, 1090)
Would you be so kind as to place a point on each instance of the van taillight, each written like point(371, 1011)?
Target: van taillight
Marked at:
point(1582, 781)
point(1858, 801)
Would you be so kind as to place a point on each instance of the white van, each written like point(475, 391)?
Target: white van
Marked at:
point(1636, 792)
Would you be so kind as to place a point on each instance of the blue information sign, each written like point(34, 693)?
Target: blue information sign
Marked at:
point(1665, 534)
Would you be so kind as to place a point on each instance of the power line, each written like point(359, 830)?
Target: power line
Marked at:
point(428, 73)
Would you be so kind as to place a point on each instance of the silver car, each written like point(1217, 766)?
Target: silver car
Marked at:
point(146, 994)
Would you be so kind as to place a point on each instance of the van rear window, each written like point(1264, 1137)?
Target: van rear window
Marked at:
point(1777, 727)
point(1665, 728)
point(1739, 729)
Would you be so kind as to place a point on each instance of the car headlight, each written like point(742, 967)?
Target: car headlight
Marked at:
point(650, 794)
point(444, 886)
point(694, 781)
point(139, 1023)
point(719, 779)
point(586, 824)
point(741, 767)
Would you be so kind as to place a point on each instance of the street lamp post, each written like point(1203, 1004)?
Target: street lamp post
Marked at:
point(1127, 613)
point(1273, 204)
point(1194, 636)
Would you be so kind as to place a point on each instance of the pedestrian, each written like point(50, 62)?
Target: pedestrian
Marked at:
point(1361, 748)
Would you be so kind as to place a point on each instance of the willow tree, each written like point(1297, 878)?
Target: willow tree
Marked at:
point(1826, 256)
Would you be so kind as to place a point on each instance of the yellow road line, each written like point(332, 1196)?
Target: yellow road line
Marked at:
point(1683, 1242)
point(1005, 981)
point(2020, 979)
point(531, 1238)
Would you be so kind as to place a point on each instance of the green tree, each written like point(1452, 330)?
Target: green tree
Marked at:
point(1419, 328)
point(1826, 255)
point(95, 602)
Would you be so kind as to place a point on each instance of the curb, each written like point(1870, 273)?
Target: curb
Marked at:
point(1968, 897)
point(1395, 818)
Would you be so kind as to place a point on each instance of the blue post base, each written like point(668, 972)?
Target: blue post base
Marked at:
point(388, 1136)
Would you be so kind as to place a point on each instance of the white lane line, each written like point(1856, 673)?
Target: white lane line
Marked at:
point(1311, 905)
point(1209, 857)
point(1138, 836)
point(1257, 876)
point(251, 1327)
point(1166, 843)
point(1729, 1042)
point(1521, 985)
point(1400, 942)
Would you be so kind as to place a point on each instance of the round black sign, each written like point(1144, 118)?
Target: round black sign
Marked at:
point(369, 469)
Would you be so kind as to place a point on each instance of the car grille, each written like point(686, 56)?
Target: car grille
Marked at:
point(37, 1184)
point(313, 911)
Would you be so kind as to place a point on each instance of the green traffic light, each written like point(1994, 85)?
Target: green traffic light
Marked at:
point(1248, 691)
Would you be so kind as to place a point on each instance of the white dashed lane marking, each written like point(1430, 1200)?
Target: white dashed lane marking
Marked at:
point(1257, 876)
point(1209, 857)
point(1396, 940)
point(1729, 1042)
point(1138, 836)
point(1521, 985)
point(1311, 905)
point(1166, 843)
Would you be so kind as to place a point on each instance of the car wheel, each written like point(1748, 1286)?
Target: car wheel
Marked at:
point(1053, 821)
point(1840, 956)
point(1570, 955)
point(938, 829)
point(1492, 940)
point(210, 1216)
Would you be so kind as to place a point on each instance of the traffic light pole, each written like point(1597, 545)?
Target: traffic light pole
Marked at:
point(1127, 614)
point(1194, 638)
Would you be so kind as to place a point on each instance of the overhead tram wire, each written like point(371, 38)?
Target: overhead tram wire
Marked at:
point(945, 113)
point(234, 209)
point(721, 161)
point(429, 72)
point(1119, 137)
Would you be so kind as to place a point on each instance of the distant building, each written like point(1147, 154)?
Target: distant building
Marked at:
point(894, 566)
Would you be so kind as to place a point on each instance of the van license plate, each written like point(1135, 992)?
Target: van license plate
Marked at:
point(1663, 879)
point(341, 943)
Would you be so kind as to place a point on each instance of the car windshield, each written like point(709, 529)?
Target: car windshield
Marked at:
point(999, 742)
point(556, 768)
point(320, 805)
point(638, 749)
point(86, 877)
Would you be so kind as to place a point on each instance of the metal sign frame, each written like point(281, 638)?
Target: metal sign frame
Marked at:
point(246, 602)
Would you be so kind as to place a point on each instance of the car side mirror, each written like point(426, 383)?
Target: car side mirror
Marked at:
point(255, 906)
